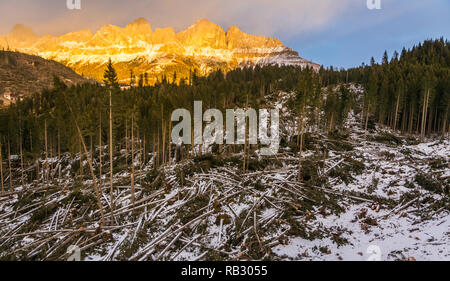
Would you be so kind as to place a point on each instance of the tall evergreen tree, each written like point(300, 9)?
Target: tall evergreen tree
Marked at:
point(110, 76)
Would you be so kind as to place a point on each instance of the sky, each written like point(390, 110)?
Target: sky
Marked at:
point(342, 33)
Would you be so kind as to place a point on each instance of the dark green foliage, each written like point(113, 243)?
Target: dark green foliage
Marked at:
point(40, 214)
point(403, 80)
point(262, 164)
point(439, 163)
point(79, 197)
point(429, 183)
point(387, 138)
point(110, 76)
point(309, 171)
point(399, 86)
point(346, 171)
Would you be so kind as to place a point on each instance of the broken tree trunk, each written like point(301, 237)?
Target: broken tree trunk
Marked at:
point(367, 121)
point(169, 150)
point(91, 168)
point(111, 158)
point(425, 115)
point(300, 140)
point(1, 166)
point(245, 139)
point(444, 125)
point(81, 158)
point(132, 160)
point(22, 178)
point(100, 149)
point(9, 163)
point(46, 154)
point(59, 152)
point(396, 112)
point(126, 140)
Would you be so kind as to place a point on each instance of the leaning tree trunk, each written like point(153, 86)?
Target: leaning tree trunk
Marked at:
point(47, 168)
point(91, 168)
point(81, 158)
point(424, 115)
point(244, 168)
point(59, 153)
point(163, 136)
point(100, 149)
point(126, 140)
point(132, 160)
point(111, 193)
point(396, 112)
point(367, 121)
point(444, 125)
point(21, 165)
point(1, 166)
point(169, 150)
point(9, 163)
point(300, 141)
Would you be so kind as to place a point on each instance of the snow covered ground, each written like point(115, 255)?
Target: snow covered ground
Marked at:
point(383, 197)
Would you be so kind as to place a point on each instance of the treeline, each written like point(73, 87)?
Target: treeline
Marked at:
point(43, 121)
point(408, 92)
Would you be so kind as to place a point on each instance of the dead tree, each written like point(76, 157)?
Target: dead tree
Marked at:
point(1, 166)
point(244, 164)
point(367, 121)
point(9, 163)
point(126, 140)
point(424, 115)
point(46, 154)
point(21, 165)
point(111, 157)
point(100, 148)
point(132, 159)
point(300, 142)
point(396, 112)
point(91, 168)
point(59, 152)
point(163, 131)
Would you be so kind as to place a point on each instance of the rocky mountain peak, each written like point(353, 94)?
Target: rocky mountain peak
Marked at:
point(204, 33)
point(164, 36)
point(139, 26)
point(204, 47)
point(236, 38)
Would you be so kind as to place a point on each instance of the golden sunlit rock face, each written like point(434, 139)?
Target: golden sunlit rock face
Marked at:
point(203, 47)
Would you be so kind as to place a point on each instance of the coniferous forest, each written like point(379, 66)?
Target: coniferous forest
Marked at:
point(96, 159)
point(408, 92)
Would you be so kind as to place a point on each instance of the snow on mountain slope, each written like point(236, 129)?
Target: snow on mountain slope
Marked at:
point(203, 47)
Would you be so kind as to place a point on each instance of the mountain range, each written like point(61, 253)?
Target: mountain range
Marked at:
point(202, 47)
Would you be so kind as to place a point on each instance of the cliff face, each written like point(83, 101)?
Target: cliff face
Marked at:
point(203, 47)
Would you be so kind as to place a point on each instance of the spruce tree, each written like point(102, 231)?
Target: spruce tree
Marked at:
point(110, 76)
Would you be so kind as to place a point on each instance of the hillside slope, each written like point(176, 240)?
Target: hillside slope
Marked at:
point(22, 74)
point(386, 190)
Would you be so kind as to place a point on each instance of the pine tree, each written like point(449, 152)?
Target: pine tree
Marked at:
point(385, 59)
point(141, 81)
point(110, 76)
point(146, 79)
point(132, 78)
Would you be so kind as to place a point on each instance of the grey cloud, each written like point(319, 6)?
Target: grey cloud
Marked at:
point(265, 17)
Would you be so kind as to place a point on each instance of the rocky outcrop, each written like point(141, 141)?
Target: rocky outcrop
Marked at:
point(202, 47)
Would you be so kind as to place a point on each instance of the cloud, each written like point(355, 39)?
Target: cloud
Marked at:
point(265, 17)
